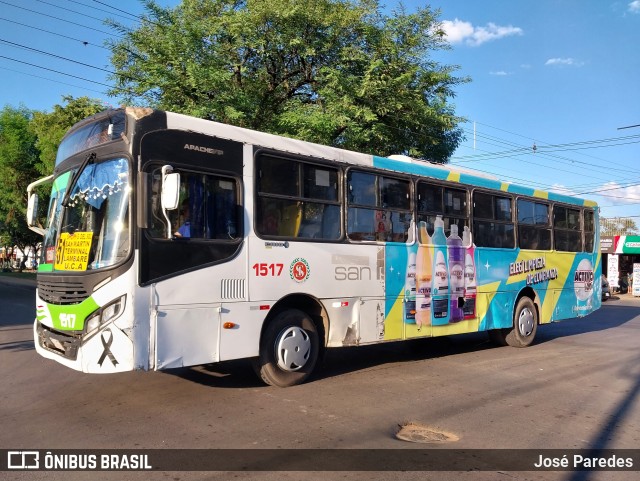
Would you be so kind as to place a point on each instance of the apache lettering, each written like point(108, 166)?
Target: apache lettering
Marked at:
point(206, 150)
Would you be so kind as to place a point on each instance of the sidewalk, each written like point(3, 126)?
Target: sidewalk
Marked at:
point(628, 296)
point(26, 279)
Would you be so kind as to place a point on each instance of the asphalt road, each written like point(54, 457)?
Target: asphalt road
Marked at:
point(576, 388)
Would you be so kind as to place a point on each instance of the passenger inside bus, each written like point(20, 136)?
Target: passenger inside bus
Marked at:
point(185, 228)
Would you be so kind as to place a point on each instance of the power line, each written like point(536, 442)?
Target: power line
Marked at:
point(557, 147)
point(518, 157)
point(137, 17)
point(56, 56)
point(56, 71)
point(52, 80)
point(549, 156)
point(544, 153)
point(532, 139)
point(605, 189)
point(84, 42)
point(58, 18)
point(70, 10)
point(92, 7)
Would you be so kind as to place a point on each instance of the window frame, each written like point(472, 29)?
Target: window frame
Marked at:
point(153, 166)
point(567, 230)
point(533, 226)
point(378, 174)
point(585, 231)
point(477, 219)
point(301, 163)
point(447, 217)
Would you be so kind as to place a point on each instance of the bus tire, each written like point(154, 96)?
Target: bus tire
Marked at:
point(525, 324)
point(289, 349)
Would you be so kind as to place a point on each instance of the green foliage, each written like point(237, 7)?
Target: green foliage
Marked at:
point(28, 144)
point(19, 158)
point(336, 72)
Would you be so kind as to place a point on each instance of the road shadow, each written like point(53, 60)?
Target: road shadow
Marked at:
point(346, 360)
point(609, 316)
point(17, 346)
point(601, 445)
point(225, 375)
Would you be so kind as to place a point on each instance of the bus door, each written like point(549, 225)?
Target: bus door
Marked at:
point(191, 255)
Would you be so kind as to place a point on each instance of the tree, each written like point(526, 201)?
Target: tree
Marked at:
point(618, 226)
point(19, 158)
point(337, 72)
point(28, 144)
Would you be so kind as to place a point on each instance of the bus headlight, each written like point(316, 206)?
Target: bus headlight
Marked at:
point(106, 314)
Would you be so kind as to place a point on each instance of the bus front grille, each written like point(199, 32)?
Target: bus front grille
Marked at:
point(54, 341)
point(62, 293)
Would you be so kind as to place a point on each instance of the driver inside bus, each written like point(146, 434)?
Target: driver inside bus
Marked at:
point(185, 228)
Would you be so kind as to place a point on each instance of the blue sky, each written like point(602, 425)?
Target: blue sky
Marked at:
point(562, 75)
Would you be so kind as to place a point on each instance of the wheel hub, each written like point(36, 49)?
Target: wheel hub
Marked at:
point(526, 322)
point(293, 348)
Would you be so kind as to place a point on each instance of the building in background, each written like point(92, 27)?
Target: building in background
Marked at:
point(619, 254)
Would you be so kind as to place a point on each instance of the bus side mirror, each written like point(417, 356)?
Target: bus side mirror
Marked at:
point(32, 209)
point(32, 204)
point(170, 195)
point(170, 191)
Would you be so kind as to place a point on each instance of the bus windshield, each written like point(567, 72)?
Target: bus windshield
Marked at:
point(92, 231)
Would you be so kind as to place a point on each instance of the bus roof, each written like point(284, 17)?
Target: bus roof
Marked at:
point(398, 163)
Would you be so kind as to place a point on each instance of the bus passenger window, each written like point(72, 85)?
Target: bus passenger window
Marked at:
point(296, 199)
point(567, 231)
point(447, 202)
point(379, 207)
point(534, 231)
point(589, 231)
point(493, 224)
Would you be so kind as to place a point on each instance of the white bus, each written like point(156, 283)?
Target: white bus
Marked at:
point(173, 241)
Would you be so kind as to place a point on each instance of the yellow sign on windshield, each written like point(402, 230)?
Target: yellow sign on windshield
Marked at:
point(72, 253)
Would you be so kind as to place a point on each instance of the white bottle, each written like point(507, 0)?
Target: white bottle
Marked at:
point(440, 279)
point(424, 271)
point(456, 254)
point(470, 284)
point(410, 291)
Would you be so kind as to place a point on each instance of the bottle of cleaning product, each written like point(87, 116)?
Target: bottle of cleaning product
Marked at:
point(456, 254)
point(424, 271)
point(440, 279)
point(410, 291)
point(470, 285)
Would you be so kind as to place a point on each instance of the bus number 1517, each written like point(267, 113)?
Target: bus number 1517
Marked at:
point(264, 270)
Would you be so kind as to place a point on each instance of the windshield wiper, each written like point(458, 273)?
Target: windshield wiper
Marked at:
point(89, 158)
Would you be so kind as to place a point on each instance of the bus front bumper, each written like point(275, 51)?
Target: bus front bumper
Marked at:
point(105, 350)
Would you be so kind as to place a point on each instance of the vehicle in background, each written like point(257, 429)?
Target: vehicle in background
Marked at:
point(606, 291)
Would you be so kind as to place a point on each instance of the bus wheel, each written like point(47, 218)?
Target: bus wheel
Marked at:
point(289, 349)
point(525, 324)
